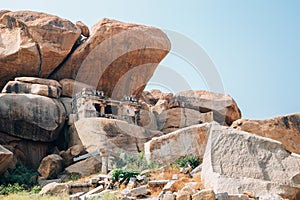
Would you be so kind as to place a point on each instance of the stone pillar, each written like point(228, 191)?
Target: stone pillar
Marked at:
point(104, 157)
point(102, 110)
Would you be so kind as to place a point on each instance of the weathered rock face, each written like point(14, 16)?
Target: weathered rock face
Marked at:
point(31, 117)
point(160, 106)
point(176, 118)
point(223, 106)
point(71, 153)
point(36, 80)
point(19, 54)
point(237, 161)
point(71, 87)
point(111, 134)
point(18, 87)
point(33, 43)
point(147, 120)
point(85, 167)
point(170, 147)
point(6, 158)
point(27, 152)
point(151, 97)
point(130, 50)
point(84, 29)
point(50, 166)
point(285, 129)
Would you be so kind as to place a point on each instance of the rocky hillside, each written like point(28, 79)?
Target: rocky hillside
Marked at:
point(62, 114)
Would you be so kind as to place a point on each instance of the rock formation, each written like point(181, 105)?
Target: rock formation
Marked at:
point(285, 129)
point(236, 161)
point(116, 71)
point(66, 108)
point(177, 118)
point(31, 117)
point(223, 106)
point(51, 166)
point(113, 135)
point(187, 141)
point(33, 43)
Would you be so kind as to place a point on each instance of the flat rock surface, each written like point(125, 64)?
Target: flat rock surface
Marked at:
point(236, 161)
point(186, 141)
point(111, 134)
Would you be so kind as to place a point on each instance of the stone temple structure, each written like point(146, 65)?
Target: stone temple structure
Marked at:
point(92, 103)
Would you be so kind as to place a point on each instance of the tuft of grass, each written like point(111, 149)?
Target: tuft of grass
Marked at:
point(188, 160)
point(123, 175)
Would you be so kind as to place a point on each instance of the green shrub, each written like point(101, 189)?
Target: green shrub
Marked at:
point(134, 162)
point(20, 175)
point(123, 175)
point(35, 189)
point(189, 160)
point(11, 188)
point(73, 176)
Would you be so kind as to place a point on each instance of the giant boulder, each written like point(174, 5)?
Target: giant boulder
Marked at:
point(285, 129)
point(51, 166)
point(223, 106)
point(33, 43)
point(236, 161)
point(186, 141)
point(176, 118)
point(110, 134)
point(118, 58)
point(31, 117)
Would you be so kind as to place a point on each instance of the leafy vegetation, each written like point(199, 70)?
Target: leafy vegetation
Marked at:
point(73, 176)
point(189, 160)
point(19, 180)
point(20, 175)
point(133, 162)
point(123, 175)
point(11, 189)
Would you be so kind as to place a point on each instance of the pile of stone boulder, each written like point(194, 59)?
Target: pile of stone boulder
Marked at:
point(46, 60)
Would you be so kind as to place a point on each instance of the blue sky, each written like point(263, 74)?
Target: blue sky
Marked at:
point(254, 45)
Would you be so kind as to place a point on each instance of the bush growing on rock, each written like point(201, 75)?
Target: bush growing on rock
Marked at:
point(123, 175)
point(189, 160)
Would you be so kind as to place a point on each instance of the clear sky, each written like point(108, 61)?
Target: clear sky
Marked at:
point(255, 45)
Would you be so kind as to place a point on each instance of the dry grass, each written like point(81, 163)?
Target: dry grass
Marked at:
point(27, 196)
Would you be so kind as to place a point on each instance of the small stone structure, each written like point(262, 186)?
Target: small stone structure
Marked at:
point(92, 103)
